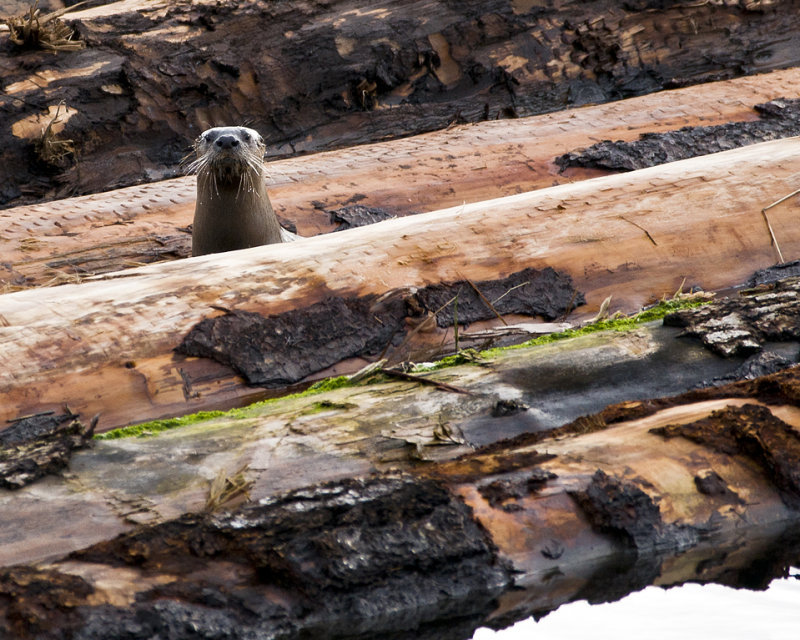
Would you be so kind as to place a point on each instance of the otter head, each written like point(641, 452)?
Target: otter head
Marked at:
point(233, 210)
point(228, 155)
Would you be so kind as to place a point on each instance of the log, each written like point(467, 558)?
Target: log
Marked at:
point(106, 346)
point(314, 76)
point(666, 483)
point(70, 239)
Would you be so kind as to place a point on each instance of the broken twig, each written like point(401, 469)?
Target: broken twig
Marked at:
point(638, 226)
point(33, 30)
point(413, 378)
point(225, 487)
point(769, 226)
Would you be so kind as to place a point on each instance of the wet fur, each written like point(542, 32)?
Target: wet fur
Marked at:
point(233, 210)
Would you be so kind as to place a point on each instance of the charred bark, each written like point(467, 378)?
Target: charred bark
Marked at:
point(740, 325)
point(39, 445)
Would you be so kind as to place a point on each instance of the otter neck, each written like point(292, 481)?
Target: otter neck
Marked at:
point(229, 216)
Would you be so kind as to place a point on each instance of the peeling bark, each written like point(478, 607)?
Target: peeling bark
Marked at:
point(753, 431)
point(39, 445)
point(778, 119)
point(531, 292)
point(740, 325)
point(620, 507)
point(280, 350)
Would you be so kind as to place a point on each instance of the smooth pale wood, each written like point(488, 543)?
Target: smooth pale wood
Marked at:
point(106, 346)
point(66, 240)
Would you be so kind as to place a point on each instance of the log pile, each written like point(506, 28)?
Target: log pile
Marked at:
point(516, 196)
point(635, 236)
point(316, 76)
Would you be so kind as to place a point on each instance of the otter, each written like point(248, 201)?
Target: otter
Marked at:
point(233, 210)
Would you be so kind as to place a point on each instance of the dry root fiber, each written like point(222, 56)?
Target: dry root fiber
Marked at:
point(32, 30)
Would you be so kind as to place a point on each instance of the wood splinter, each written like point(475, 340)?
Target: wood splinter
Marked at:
point(769, 226)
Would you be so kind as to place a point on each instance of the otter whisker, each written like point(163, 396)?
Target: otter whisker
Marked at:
point(242, 179)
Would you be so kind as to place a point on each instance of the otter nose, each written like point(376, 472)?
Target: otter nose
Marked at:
point(227, 142)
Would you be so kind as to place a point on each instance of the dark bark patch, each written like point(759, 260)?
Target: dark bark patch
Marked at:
point(39, 445)
point(353, 556)
point(778, 119)
point(357, 215)
point(775, 273)
point(740, 325)
point(502, 494)
point(547, 293)
point(282, 349)
point(710, 483)
point(621, 508)
point(754, 432)
point(757, 365)
point(40, 602)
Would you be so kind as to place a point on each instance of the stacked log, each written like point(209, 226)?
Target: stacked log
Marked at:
point(309, 514)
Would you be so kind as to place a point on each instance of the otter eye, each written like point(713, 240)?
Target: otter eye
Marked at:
point(246, 136)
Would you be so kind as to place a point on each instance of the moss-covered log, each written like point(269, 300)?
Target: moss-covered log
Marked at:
point(339, 495)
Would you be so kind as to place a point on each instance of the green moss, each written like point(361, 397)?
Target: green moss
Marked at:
point(156, 426)
point(624, 323)
point(328, 384)
point(327, 405)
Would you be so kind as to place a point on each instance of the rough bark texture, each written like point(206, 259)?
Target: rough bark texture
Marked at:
point(741, 324)
point(314, 76)
point(328, 561)
point(280, 350)
point(753, 431)
point(531, 292)
point(283, 349)
point(39, 445)
point(621, 507)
